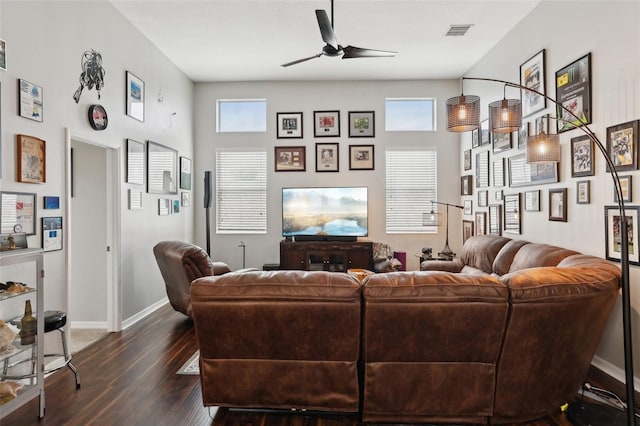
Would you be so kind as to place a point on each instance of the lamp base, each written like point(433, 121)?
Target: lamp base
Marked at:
point(592, 414)
point(447, 252)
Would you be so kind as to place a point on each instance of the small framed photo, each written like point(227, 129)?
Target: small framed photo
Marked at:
point(467, 159)
point(583, 192)
point(135, 199)
point(327, 157)
point(3, 55)
point(51, 233)
point(482, 169)
point(361, 157)
point(475, 138)
point(32, 159)
point(326, 123)
point(483, 198)
point(135, 97)
point(485, 138)
point(523, 134)
point(135, 162)
point(625, 186)
point(164, 206)
point(468, 207)
point(162, 169)
point(495, 219)
point(498, 173)
point(558, 204)
point(290, 158)
point(466, 185)
point(612, 232)
point(30, 104)
point(289, 125)
point(185, 173)
point(362, 124)
point(498, 195)
point(52, 203)
point(467, 230)
point(501, 141)
point(185, 198)
point(532, 201)
point(176, 206)
point(19, 213)
point(582, 156)
point(622, 146)
point(532, 76)
point(481, 223)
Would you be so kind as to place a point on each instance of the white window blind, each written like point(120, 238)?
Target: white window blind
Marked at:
point(241, 192)
point(411, 185)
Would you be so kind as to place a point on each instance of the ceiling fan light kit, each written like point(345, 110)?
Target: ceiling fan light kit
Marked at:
point(332, 48)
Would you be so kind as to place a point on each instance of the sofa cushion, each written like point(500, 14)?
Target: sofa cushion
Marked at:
point(480, 251)
point(505, 256)
point(534, 255)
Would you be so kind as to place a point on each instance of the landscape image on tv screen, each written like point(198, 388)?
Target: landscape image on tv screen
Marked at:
point(324, 211)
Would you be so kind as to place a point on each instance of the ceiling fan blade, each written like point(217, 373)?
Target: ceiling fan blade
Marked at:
point(297, 61)
point(326, 29)
point(359, 52)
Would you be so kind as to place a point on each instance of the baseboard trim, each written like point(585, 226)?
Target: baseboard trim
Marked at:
point(144, 313)
point(88, 324)
point(607, 376)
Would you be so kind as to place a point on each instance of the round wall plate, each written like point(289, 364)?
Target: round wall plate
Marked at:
point(98, 117)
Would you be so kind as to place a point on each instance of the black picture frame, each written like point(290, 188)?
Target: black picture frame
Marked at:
point(622, 146)
point(30, 101)
point(361, 157)
point(162, 169)
point(532, 76)
point(583, 192)
point(289, 125)
point(481, 223)
point(495, 219)
point(573, 91)
point(326, 124)
point(467, 230)
point(522, 173)
point(466, 183)
point(362, 124)
point(327, 157)
point(582, 156)
point(501, 141)
point(626, 188)
point(612, 233)
point(135, 97)
point(498, 173)
point(558, 204)
point(483, 198)
point(482, 169)
point(467, 159)
point(52, 233)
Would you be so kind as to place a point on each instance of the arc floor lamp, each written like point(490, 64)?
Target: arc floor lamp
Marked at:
point(463, 114)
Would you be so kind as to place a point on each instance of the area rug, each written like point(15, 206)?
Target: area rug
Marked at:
point(191, 367)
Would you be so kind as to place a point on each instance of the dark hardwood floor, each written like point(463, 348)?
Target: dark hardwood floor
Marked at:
point(129, 378)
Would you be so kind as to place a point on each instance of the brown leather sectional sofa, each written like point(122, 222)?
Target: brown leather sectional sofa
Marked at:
point(505, 333)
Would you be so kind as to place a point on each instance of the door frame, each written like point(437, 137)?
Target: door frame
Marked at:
point(113, 224)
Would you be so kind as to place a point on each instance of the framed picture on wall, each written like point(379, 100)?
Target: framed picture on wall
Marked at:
point(612, 233)
point(582, 156)
point(583, 192)
point(512, 213)
point(135, 97)
point(622, 146)
point(290, 158)
point(31, 103)
point(481, 222)
point(326, 123)
point(162, 169)
point(289, 125)
point(18, 213)
point(467, 230)
point(32, 159)
point(625, 187)
point(362, 124)
point(558, 204)
point(51, 233)
point(135, 162)
point(185, 173)
point(495, 219)
point(361, 157)
point(573, 92)
point(532, 201)
point(466, 185)
point(327, 157)
point(532, 76)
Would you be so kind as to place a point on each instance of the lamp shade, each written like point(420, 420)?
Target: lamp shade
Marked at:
point(543, 148)
point(432, 219)
point(463, 113)
point(505, 116)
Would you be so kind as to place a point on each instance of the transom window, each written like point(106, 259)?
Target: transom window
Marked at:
point(410, 114)
point(241, 115)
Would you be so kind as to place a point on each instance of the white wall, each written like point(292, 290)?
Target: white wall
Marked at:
point(569, 30)
point(45, 42)
point(307, 97)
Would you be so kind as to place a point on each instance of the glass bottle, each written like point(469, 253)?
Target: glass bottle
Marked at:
point(27, 326)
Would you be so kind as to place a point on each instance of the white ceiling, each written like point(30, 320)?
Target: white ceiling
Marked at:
point(248, 40)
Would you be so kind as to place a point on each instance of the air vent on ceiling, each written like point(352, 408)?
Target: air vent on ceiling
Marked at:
point(458, 30)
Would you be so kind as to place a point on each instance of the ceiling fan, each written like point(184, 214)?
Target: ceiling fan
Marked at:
point(332, 48)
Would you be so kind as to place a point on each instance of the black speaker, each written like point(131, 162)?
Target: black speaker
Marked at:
point(207, 189)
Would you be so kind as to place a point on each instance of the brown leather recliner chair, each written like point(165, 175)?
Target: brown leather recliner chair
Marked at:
point(180, 263)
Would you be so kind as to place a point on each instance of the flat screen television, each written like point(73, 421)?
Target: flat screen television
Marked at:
point(324, 213)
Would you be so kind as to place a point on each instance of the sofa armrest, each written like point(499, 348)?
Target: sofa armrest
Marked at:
point(454, 265)
point(220, 268)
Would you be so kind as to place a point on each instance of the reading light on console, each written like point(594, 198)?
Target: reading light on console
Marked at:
point(550, 152)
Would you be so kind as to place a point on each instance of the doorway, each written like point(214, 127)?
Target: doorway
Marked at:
point(92, 240)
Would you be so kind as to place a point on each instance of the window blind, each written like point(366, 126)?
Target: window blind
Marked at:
point(241, 192)
point(411, 185)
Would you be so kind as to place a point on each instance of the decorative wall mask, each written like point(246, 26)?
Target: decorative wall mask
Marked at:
point(92, 73)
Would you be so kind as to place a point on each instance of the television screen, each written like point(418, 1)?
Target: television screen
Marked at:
point(331, 212)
